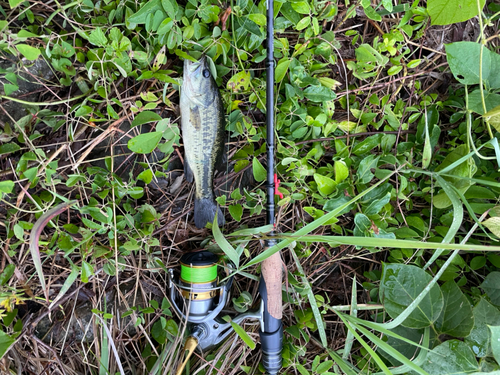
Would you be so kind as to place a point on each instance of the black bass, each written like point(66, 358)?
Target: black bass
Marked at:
point(202, 122)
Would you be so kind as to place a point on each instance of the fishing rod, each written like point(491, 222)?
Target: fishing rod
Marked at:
point(271, 330)
point(197, 296)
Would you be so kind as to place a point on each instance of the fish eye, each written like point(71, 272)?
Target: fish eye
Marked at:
point(206, 73)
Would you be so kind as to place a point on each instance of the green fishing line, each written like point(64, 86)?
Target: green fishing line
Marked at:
point(198, 274)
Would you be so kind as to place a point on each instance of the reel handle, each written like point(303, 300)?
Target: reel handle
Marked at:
point(190, 346)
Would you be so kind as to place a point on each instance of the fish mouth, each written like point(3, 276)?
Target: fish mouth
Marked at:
point(195, 68)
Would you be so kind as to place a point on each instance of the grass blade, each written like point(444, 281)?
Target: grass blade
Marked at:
point(354, 312)
point(386, 347)
point(312, 302)
point(36, 231)
point(67, 284)
point(225, 246)
point(458, 216)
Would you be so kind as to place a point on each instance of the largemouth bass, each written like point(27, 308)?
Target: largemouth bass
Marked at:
point(202, 122)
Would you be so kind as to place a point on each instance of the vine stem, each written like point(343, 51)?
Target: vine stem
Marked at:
point(481, 66)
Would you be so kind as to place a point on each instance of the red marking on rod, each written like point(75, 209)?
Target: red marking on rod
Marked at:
point(276, 186)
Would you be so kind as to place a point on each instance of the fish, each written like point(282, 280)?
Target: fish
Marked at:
point(203, 129)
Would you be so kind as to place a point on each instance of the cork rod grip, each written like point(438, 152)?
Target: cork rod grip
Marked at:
point(272, 274)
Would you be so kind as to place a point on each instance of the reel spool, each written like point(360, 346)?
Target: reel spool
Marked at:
point(198, 282)
point(196, 296)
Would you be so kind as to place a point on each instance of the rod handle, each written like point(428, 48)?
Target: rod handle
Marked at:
point(272, 274)
point(190, 346)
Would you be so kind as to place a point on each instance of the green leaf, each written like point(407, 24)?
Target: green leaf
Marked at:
point(171, 7)
point(324, 366)
point(31, 53)
point(400, 285)
point(98, 38)
point(259, 172)
point(225, 246)
point(319, 94)
point(456, 319)
point(252, 27)
point(479, 338)
point(14, 3)
point(341, 171)
point(281, 70)
point(236, 211)
point(367, 145)
point(370, 12)
point(145, 117)
point(243, 335)
point(364, 172)
point(303, 23)
point(477, 262)
point(491, 286)
point(8, 148)
point(451, 357)
point(463, 58)
point(7, 274)
point(258, 18)
point(158, 330)
point(239, 82)
point(144, 143)
point(377, 204)
point(9, 88)
point(87, 271)
point(493, 224)
point(146, 176)
point(446, 12)
point(150, 7)
point(19, 232)
point(289, 13)
point(326, 185)
point(5, 343)
point(301, 7)
point(67, 284)
point(495, 342)
point(31, 173)
point(403, 347)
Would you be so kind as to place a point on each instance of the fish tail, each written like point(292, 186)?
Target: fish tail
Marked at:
point(204, 212)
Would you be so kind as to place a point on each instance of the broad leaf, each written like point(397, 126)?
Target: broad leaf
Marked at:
point(479, 338)
point(401, 346)
point(452, 357)
point(259, 172)
point(446, 12)
point(150, 8)
point(31, 53)
point(456, 319)
point(463, 58)
point(144, 143)
point(5, 342)
point(8, 148)
point(319, 93)
point(491, 285)
point(145, 117)
point(400, 285)
point(493, 224)
point(326, 185)
point(495, 341)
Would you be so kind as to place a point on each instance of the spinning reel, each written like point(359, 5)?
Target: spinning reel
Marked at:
point(199, 299)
